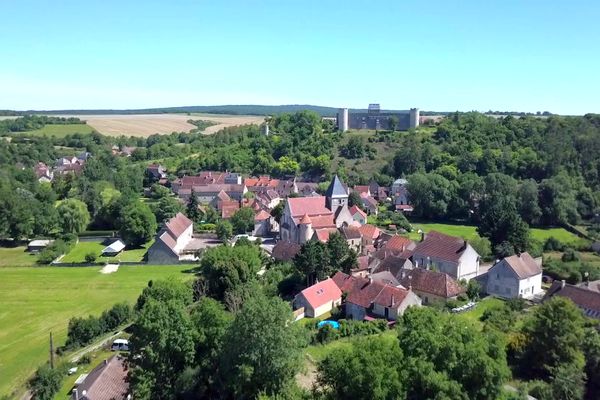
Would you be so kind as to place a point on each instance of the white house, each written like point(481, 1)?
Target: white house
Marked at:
point(515, 276)
point(173, 242)
point(449, 254)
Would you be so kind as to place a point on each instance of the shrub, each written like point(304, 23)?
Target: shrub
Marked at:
point(56, 249)
point(205, 227)
point(90, 257)
point(516, 304)
point(83, 331)
point(326, 334)
point(570, 255)
point(553, 244)
point(46, 382)
point(84, 360)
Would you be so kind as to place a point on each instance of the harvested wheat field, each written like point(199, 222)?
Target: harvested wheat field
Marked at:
point(149, 124)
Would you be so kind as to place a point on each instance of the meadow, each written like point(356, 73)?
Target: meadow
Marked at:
point(60, 130)
point(39, 300)
point(469, 232)
point(16, 257)
point(81, 249)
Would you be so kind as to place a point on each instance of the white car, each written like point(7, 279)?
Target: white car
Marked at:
point(120, 345)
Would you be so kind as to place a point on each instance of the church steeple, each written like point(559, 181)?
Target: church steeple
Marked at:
point(336, 195)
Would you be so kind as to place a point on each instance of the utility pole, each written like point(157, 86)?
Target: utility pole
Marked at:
point(51, 352)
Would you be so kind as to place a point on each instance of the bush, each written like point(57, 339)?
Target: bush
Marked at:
point(56, 249)
point(570, 255)
point(553, 244)
point(46, 382)
point(516, 304)
point(326, 334)
point(82, 331)
point(84, 359)
point(90, 257)
point(205, 227)
point(360, 328)
point(501, 317)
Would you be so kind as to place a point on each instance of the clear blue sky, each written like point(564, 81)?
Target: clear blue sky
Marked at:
point(525, 55)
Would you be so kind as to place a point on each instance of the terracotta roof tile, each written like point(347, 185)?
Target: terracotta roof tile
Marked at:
point(399, 243)
point(441, 246)
point(356, 210)
point(586, 299)
point(322, 293)
point(370, 231)
point(177, 225)
point(285, 251)
point(108, 381)
point(436, 283)
point(308, 205)
point(262, 215)
point(523, 265)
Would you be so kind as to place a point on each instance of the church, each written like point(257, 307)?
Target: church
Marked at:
point(305, 217)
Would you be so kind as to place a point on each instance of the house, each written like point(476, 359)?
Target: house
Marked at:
point(306, 189)
point(587, 300)
point(322, 235)
point(305, 216)
point(261, 184)
point(319, 298)
point(262, 223)
point(156, 172)
point(285, 251)
point(353, 237)
point(516, 276)
point(204, 178)
point(358, 215)
point(370, 233)
point(43, 173)
point(449, 254)
point(113, 249)
point(398, 189)
point(431, 286)
point(360, 189)
point(71, 165)
point(174, 242)
point(398, 244)
point(206, 194)
point(593, 285)
point(108, 381)
point(396, 265)
point(401, 205)
point(367, 299)
point(38, 245)
point(369, 204)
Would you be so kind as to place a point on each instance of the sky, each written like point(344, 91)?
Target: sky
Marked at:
point(447, 55)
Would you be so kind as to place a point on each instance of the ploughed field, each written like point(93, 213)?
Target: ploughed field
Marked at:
point(35, 301)
point(149, 124)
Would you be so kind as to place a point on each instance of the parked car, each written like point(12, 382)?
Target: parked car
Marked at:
point(120, 345)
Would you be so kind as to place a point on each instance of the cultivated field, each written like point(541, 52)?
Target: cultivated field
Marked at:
point(38, 300)
point(150, 124)
point(60, 130)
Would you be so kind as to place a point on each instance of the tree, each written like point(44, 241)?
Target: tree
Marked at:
point(430, 195)
point(340, 254)
point(162, 347)
point(46, 382)
point(473, 289)
point(243, 220)
point(553, 334)
point(591, 349)
point(313, 261)
point(355, 148)
point(443, 354)
point(277, 211)
point(354, 199)
point(167, 208)
point(369, 369)
point(528, 202)
point(138, 224)
point(73, 216)
point(224, 230)
point(502, 225)
point(165, 290)
point(211, 322)
point(264, 350)
point(192, 211)
point(394, 122)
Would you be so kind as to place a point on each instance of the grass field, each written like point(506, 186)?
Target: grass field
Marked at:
point(16, 257)
point(36, 301)
point(78, 253)
point(61, 130)
point(469, 232)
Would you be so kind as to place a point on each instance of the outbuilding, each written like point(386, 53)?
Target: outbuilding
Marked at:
point(38, 245)
point(113, 249)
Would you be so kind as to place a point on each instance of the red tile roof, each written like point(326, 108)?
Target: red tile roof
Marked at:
point(347, 283)
point(308, 205)
point(436, 283)
point(441, 246)
point(586, 299)
point(370, 231)
point(285, 251)
point(177, 225)
point(356, 210)
point(108, 381)
point(322, 293)
point(228, 208)
point(398, 243)
point(324, 233)
point(523, 265)
point(305, 219)
point(362, 189)
point(262, 215)
point(264, 181)
point(350, 232)
point(389, 296)
point(223, 196)
point(322, 221)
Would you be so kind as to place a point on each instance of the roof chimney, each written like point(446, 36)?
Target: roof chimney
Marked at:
point(562, 284)
point(422, 236)
point(75, 395)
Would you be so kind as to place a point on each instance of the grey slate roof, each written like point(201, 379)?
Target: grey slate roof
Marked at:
point(336, 188)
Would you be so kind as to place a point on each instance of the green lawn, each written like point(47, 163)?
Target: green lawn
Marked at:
point(475, 313)
point(469, 232)
point(16, 257)
point(60, 130)
point(78, 253)
point(97, 357)
point(36, 301)
point(318, 352)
